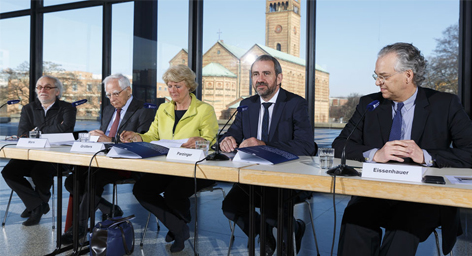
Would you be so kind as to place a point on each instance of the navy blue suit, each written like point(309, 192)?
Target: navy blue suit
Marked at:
point(438, 121)
point(290, 130)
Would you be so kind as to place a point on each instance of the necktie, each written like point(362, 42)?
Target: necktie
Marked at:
point(265, 122)
point(396, 131)
point(114, 126)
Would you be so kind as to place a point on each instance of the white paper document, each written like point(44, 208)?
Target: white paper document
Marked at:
point(249, 158)
point(170, 143)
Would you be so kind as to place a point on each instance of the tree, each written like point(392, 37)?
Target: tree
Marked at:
point(346, 110)
point(443, 67)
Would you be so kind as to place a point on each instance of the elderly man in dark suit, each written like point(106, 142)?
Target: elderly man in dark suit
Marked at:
point(124, 113)
point(276, 118)
point(48, 114)
point(411, 125)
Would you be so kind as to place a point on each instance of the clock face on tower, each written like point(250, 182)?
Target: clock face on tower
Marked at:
point(278, 29)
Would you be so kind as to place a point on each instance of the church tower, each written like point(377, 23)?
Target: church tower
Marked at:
point(283, 26)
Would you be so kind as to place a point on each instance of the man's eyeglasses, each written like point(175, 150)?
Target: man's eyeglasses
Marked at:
point(116, 94)
point(381, 78)
point(46, 88)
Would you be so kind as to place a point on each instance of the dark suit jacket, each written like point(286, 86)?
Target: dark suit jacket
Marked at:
point(140, 118)
point(439, 120)
point(290, 127)
point(60, 118)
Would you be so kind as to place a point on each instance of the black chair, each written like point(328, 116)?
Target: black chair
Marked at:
point(307, 202)
point(210, 188)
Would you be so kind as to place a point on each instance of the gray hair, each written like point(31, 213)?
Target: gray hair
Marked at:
point(180, 73)
point(123, 81)
point(408, 58)
point(277, 67)
point(57, 84)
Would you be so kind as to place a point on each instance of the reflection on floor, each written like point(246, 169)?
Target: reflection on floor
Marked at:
point(213, 227)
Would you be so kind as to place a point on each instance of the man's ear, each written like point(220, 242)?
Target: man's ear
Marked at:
point(409, 76)
point(280, 77)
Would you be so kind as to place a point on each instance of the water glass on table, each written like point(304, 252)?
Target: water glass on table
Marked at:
point(326, 157)
point(35, 134)
point(203, 145)
point(84, 137)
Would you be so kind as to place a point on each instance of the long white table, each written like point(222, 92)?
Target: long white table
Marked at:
point(301, 174)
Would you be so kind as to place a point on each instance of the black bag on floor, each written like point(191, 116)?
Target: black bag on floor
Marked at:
point(112, 237)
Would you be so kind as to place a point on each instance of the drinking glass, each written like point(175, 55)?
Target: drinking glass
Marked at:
point(326, 157)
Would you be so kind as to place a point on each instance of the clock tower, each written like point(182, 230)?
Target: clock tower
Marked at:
point(283, 26)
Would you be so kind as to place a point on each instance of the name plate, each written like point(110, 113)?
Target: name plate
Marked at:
point(58, 137)
point(185, 154)
point(402, 172)
point(87, 147)
point(33, 143)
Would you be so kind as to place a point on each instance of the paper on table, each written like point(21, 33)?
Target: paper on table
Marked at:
point(170, 143)
point(249, 158)
point(467, 180)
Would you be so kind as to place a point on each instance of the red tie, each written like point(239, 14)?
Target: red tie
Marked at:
point(114, 126)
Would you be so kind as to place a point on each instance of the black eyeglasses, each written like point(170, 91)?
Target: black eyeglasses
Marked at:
point(46, 88)
point(116, 94)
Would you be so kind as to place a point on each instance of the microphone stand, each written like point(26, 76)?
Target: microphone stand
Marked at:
point(218, 156)
point(343, 169)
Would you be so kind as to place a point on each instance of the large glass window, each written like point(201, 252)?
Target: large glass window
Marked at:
point(14, 67)
point(172, 39)
point(73, 53)
point(231, 44)
point(349, 35)
point(122, 39)
point(55, 2)
point(14, 5)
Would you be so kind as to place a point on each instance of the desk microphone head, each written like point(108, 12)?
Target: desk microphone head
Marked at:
point(10, 102)
point(79, 102)
point(242, 108)
point(150, 106)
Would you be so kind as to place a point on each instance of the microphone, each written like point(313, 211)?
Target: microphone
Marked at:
point(10, 102)
point(343, 169)
point(218, 156)
point(145, 105)
point(75, 104)
point(79, 102)
point(150, 105)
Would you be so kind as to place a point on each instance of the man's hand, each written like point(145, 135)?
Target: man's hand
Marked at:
point(191, 142)
point(101, 136)
point(251, 142)
point(228, 144)
point(128, 136)
point(397, 150)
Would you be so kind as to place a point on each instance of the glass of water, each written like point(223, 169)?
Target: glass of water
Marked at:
point(84, 137)
point(35, 134)
point(326, 157)
point(203, 145)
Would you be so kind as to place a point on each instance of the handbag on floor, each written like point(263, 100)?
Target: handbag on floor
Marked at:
point(112, 237)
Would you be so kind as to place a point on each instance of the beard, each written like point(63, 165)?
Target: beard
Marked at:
point(268, 89)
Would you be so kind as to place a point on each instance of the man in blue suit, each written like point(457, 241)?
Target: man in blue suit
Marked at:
point(276, 118)
point(433, 130)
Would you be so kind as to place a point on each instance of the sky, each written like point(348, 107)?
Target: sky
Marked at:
point(349, 34)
